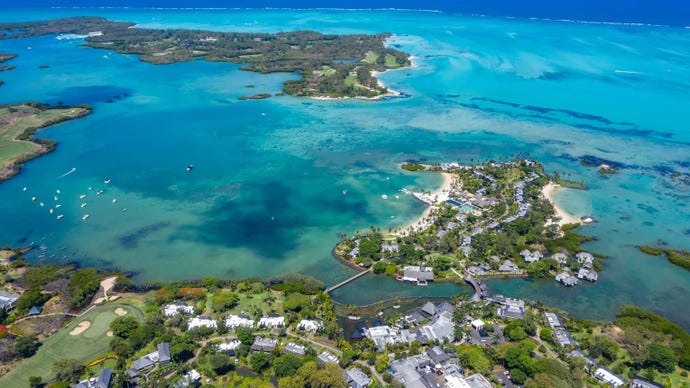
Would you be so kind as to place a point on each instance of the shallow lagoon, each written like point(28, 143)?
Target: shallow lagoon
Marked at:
point(265, 195)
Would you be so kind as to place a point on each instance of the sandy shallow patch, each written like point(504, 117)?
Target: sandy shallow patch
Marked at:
point(81, 327)
point(120, 311)
point(108, 283)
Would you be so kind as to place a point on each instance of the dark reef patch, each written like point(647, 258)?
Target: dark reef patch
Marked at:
point(131, 240)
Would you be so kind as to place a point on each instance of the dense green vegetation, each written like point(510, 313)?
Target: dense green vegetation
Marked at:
point(643, 328)
point(680, 258)
point(83, 286)
point(413, 167)
point(324, 61)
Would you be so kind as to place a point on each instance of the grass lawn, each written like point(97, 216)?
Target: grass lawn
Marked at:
point(371, 58)
point(248, 304)
point(26, 117)
point(351, 80)
point(327, 71)
point(83, 347)
point(391, 63)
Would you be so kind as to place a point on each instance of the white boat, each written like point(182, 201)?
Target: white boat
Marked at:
point(82, 196)
point(58, 206)
point(33, 198)
point(85, 217)
point(114, 200)
point(344, 192)
point(99, 192)
point(24, 189)
point(57, 191)
point(384, 197)
point(83, 204)
point(50, 211)
point(106, 181)
point(397, 196)
point(89, 188)
point(59, 217)
point(42, 204)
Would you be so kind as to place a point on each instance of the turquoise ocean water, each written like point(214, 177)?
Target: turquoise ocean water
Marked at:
point(265, 196)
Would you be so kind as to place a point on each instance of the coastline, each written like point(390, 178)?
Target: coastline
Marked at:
point(13, 165)
point(565, 218)
point(374, 73)
point(441, 195)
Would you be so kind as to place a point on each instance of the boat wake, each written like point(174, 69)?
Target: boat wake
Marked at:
point(68, 172)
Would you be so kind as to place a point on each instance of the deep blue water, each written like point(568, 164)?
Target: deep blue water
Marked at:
point(668, 12)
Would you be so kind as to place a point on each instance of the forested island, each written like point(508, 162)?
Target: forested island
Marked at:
point(18, 125)
point(331, 66)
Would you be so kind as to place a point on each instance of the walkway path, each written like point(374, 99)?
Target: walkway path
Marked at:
point(348, 280)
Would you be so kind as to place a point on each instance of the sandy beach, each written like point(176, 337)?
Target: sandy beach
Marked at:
point(440, 195)
point(565, 218)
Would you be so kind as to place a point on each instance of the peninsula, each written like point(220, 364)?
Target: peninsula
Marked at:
point(487, 220)
point(331, 66)
point(18, 124)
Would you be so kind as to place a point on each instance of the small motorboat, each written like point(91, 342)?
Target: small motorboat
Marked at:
point(99, 192)
point(42, 204)
point(384, 197)
point(114, 200)
point(59, 217)
point(85, 217)
point(82, 196)
point(83, 204)
point(190, 168)
point(24, 189)
point(58, 206)
point(344, 192)
point(106, 181)
point(50, 211)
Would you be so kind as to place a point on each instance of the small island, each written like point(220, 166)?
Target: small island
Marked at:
point(488, 220)
point(331, 66)
point(259, 96)
point(677, 257)
point(4, 57)
point(18, 124)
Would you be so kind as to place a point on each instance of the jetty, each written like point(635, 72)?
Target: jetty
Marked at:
point(349, 280)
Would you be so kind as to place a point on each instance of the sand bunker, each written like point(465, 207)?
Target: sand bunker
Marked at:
point(109, 333)
point(120, 311)
point(81, 327)
point(107, 284)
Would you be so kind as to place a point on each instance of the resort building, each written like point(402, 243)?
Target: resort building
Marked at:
point(229, 347)
point(531, 257)
point(478, 381)
point(7, 300)
point(100, 381)
point(357, 379)
point(587, 274)
point(310, 325)
point(142, 363)
point(607, 376)
point(164, 353)
point(509, 307)
point(175, 308)
point(264, 344)
point(327, 357)
point(508, 266)
point(272, 321)
point(296, 349)
point(561, 258)
point(553, 320)
point(477, 324)
point(232, 322)
point(438, 355)
point(418, 274)
point(564, 338)
point(639, 382)
point(201, 321)
point(566, 279)
point(585, 258)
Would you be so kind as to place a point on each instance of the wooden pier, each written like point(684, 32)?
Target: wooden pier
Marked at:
point(348, 280)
